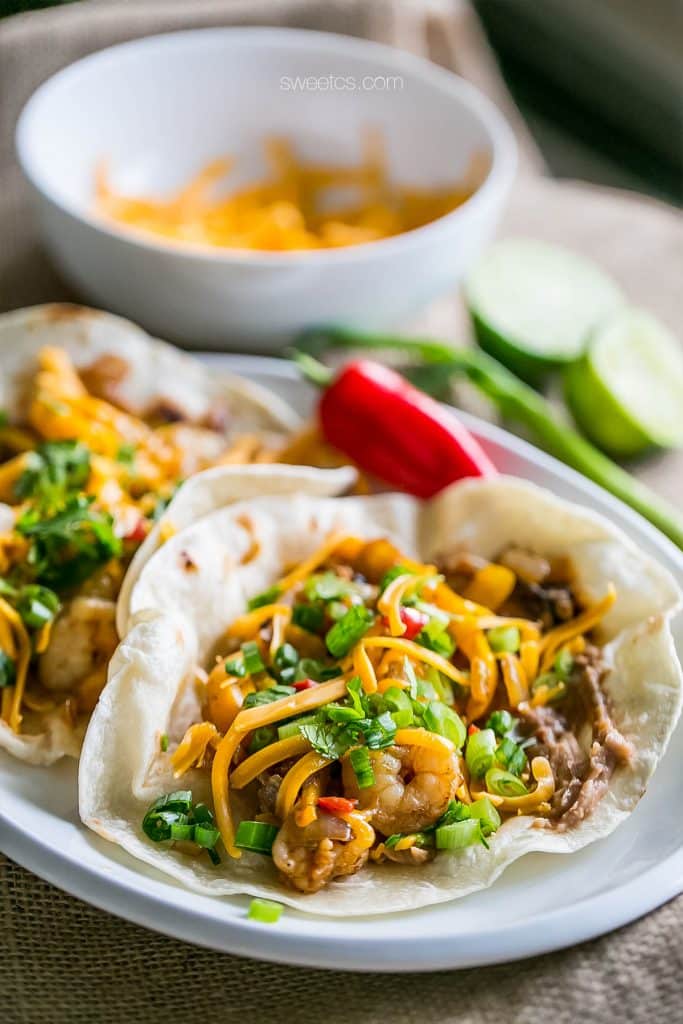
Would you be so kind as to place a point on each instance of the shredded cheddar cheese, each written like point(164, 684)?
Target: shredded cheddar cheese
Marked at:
point(362, 666)
point(587, 620)
point(12, 706)
point(265, 758)
point(308, 765)
point(299, 205)
point(419, 653)
point(191, 751)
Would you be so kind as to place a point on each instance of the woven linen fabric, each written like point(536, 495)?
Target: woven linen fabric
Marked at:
point(63, 962)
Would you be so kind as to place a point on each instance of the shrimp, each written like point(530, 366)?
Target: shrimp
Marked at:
point(413, 787)
point(83, 639)
point(329, 847)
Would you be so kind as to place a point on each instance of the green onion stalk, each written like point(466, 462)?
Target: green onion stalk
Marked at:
point(515, 400)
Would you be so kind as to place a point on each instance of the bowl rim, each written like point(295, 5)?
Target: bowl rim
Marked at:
point(498, 179)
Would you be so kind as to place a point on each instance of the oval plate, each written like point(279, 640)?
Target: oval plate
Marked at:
point(541, 903)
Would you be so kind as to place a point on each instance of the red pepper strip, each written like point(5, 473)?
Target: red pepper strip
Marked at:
point(337, 804)
point(397, 433)
point(412, 619)
point(138, 532)
point(472, 729)
point(304, 684)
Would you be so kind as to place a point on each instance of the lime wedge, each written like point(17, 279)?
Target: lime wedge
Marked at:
point(626, 392)
point(533, 305)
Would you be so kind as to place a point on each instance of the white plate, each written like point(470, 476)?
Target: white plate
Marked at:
point(542, 902)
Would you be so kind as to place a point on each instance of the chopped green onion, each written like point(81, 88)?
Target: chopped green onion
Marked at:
point(286, 656)
point(400, 705)
point(267, 696)
point(262, 737)
point(487, 814)
point(480, 752)
point(257, 836)
point(168, 810)
point(563, 664)
point(501, 722)
point(37, 605)
point(436, 638)
point(504, 638)
point(181, 831)
point(346, 633)
point(291, 728)
point(202, 814)
point(163, 742)
point(441, 719)
point(235, 667)
point(264, 598)
point(328, 587)
point(409, 672)
point(362, 767)
point(337, 610)
point(459, 834)
point(265, 911)
point(511, 756)
point(504, 783)
point(206, 836)
point(253, 663)
point(8, 670)
point(310, 617)
point(441, 685)
point(309, 668)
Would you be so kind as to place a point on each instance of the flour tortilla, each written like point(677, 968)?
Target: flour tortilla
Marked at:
point(157, 371)
point(179, 615)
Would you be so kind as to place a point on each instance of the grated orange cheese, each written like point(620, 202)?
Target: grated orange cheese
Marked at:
point(308, 765)
point(191, 751)
point(12, 705)
point(555, 638)
point(265, 758)
point(362, 666)
point(419, 653)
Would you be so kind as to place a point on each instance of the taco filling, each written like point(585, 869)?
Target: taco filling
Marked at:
point(368, 707)
point(83, 476)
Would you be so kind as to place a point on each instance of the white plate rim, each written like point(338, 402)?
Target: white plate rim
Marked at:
point(165, 908)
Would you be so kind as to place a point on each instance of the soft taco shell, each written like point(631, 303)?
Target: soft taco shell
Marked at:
point(155, 372)
point(179, 615)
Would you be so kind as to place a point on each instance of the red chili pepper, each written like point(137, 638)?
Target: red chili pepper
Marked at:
point(397, 433)
point(304, 684)
point(138, 532)
point(337, 804)
point(472, 729)
point(413, 620)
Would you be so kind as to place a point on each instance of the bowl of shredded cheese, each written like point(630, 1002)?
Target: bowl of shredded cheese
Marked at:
point(230, 187)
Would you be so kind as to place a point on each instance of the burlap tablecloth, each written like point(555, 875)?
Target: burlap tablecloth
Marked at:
point(63, 961)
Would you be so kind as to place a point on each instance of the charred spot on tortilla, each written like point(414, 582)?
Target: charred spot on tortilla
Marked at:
point(186, 562)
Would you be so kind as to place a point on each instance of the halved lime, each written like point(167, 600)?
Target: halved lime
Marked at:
point(533, 305)
point(626, 392)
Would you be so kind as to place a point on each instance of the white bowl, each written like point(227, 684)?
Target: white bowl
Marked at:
point(159, 108)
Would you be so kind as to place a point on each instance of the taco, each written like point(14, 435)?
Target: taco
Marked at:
point(366, 704)
point(99, 423)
